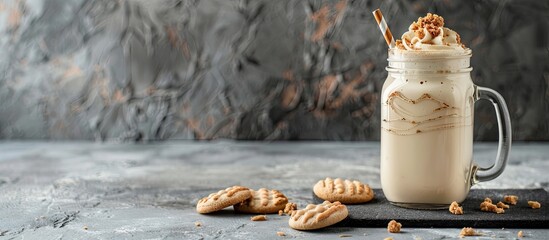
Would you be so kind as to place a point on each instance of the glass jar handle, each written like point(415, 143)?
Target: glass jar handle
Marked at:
point(504, 142)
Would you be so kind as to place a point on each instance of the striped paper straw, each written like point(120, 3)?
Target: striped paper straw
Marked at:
point(384, 28)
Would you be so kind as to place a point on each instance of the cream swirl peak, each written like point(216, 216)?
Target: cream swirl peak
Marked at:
point(429, 33)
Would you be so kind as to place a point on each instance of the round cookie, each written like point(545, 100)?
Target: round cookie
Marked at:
point(344, 191)
point(222, 199)
point(263, 201)
point(318, 216)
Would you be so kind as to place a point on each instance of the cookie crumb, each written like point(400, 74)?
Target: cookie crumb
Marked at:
point(468, 231)
point(85, 228)
point(388, 238)
point(502, 205)
point(487, 206)
point(345, 235)
point(394, 226)
point(432, 23)
point(259, 218)
point(290, 207)
point(280, 212)
point(510, 199)
point(282, 234)
point(534, 204)
point(198, 224)
point(488, 200)
point(400, 45)
point(520, 234)
point(455, 208)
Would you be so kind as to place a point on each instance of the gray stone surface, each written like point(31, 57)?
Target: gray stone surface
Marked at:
point(84, 190)
point(140, 70)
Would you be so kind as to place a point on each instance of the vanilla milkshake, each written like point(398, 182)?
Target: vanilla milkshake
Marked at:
point(427, 112)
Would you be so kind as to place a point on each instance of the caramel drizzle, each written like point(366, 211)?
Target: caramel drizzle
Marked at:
point(413, 119)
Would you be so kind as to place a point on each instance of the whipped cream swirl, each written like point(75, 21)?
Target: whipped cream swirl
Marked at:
point(429, 33)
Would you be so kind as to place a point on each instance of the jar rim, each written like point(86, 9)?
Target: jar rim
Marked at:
point(398, 55)
point(425, 71)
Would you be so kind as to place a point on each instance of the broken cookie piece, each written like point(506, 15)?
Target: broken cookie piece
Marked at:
point(502, 205)
point(510, 199)
point(259, 218)
point(455, 208)
point(534, 204)
point(468, 231)
point(289, 208)
point(394, 226)
point(487, 206)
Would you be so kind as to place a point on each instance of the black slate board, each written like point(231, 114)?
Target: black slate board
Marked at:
point(379, 212)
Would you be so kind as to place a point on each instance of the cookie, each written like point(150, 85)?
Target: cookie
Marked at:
point(263, 201)
point(344, 191)
point(222, 199)
point(318, 216)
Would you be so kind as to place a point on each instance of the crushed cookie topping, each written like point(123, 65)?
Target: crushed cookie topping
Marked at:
point(432, 23)
point(428, 32)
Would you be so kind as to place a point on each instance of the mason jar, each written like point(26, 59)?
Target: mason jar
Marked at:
point(427, 119)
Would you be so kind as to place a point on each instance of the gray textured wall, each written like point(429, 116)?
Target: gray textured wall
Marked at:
point(135, 70)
